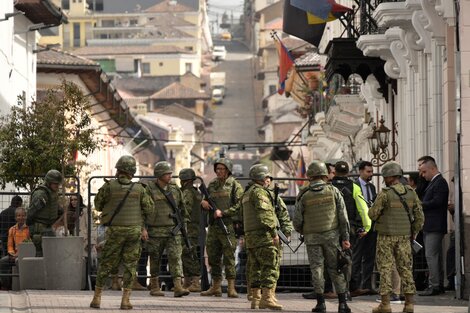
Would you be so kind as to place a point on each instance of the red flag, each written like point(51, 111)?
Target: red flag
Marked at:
point(301, 170)
point(285, 63)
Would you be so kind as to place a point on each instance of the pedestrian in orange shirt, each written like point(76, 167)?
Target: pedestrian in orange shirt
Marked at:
point(16, 235)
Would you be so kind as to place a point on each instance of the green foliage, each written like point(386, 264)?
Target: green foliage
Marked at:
point(45, 135)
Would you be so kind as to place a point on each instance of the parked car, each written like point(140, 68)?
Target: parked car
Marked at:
point(226, 36)
point(219, 53)
point(237, 170)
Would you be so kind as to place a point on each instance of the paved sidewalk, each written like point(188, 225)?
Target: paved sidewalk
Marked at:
point(51, 301)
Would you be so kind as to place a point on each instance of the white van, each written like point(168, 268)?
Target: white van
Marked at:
point(217, 96)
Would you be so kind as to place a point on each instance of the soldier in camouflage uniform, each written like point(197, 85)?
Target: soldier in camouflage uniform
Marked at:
point(261, 239)
point(43, 210)
point(226, 192)
point(396, 224)
point(320, 216)
point(159, 229)
point(125, 227)
point(192, 200)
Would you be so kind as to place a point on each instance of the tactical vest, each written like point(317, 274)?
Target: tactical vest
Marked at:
point(222, 198)
point(394, 220)
point(345, 185)
point(130, 213)
point(193, 225)
point(319, 210)
point(251, 218)
point(50, 213)
point(163, 209)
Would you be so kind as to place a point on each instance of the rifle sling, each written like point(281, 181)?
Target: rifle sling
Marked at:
point(120, 205)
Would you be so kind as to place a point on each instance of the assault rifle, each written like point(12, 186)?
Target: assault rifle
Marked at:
point(178, 218)
point(280, 233)
point(213, 208)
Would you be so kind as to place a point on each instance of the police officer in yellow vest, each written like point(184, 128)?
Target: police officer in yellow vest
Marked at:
point(43, 210)
point(261, 239)
point(160, 226)
point(320, 216)
point(125, 207)
point(398, 217)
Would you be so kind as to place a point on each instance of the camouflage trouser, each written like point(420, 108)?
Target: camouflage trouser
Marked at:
point(395, 250)
point(122, 247)
point(263, 266)
point(37, 231)
point(191, 261)
point(325, 254)
point(217, 246)
point(156, 246)
point(248, 264)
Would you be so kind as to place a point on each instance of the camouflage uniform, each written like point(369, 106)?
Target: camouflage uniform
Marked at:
point(225, 195)
point(43, 210)
point(394, 231)
point(322, 235)
point(159, 228)
point(123, 244)
point(192, 200)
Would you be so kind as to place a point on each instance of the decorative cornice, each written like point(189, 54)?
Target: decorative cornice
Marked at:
point(379, 46)
point(398, 48)
point(419, 20)
point(374, 100)
point(389, 14)
point(436, 23)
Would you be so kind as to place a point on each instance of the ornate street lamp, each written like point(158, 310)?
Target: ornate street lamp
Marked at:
point(378, 144)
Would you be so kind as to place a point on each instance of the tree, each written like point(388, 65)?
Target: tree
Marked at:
point(46, 135)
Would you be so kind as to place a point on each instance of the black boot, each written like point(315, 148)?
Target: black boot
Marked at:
point(343, 306)
point(320, 307)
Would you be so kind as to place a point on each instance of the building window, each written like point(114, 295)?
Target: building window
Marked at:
point(188, 48)
point(146, 68)
point(272, 89)
point(160, 64)
point(65, 4)
point(95, 5)
point(76, 34)
point(188, 67)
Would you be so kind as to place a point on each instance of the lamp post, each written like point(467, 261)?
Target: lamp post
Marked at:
point(378, 144)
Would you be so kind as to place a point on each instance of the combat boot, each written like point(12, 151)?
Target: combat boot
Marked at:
point(116, 284)
point(255, 298)
point(96, 302)
point(179, 291)
point(321, 306)
point(215, 289)
point(268, 300)
point(195, 284)
point(186, 282)
point(155, 288)
point(343, 306)
point(409, 303)
point(137, 286)
point(231, 292)
point(125, 303)
point(384, 306)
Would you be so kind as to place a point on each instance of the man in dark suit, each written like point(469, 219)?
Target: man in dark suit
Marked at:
point(435, 201)
point(364, 251)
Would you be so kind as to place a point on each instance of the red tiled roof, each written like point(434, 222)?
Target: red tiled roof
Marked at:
point(57, 57)
point(178, 91)
point(117, 50)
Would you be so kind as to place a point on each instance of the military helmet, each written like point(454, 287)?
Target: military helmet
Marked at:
point(228, 164)
point(391, 168)
point(126, 164)
point(161, 168)
point(259, 172)
point(187, 174)
point(317, 168)
point(53, 177)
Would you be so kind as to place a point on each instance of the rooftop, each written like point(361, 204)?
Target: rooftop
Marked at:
point(122, 50)
point(177, 90)
point(169, 6)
